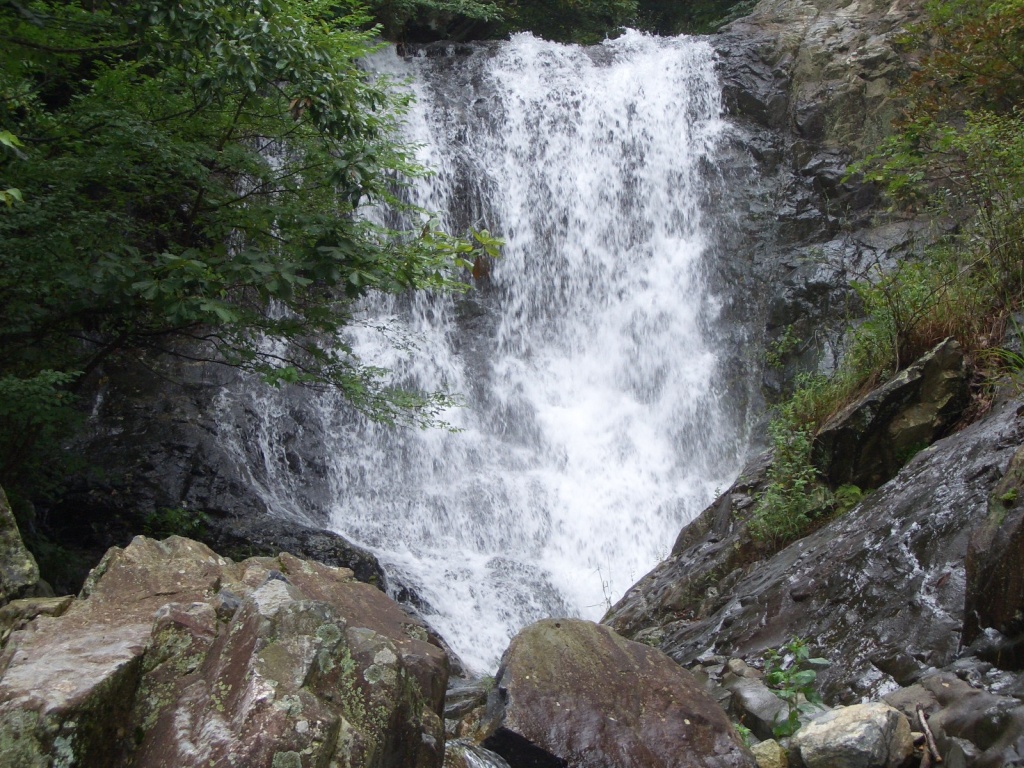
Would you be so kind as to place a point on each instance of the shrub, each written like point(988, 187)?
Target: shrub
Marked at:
point(788, 673)
point(794, 495)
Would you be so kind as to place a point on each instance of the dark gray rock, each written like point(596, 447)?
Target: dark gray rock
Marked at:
point(756, 706)
point(240, 537)
point(473, 710)
point(808, 85)
point(985, 728)
point(994, 598)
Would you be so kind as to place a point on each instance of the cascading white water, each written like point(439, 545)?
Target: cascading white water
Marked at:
point(595, 422)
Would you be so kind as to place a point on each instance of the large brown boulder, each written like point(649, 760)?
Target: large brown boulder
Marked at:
point(578, 694)
point(174, 656)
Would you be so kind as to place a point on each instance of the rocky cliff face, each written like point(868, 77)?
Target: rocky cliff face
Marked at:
point(809, 84)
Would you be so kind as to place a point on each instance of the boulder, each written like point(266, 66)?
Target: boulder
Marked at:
point(770, 754)
point(578, 694)
point(17, 613)
point(19, 574)
point(862, 736)
point(175, 656)
point(755, 705)
point(867, 442)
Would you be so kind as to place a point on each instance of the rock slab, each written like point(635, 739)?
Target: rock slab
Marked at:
point(578, 694)
point(175, 656)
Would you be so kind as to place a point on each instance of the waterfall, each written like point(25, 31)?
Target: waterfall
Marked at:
point(596, 419)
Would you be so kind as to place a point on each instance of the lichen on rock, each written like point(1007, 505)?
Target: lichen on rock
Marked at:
point(153, 667)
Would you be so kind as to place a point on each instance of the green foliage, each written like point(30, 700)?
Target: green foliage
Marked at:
point(666, 17)
point(788, 672)
point(778, 350)
point(9, 143)
point(847, 496)
point(958, 154)
point(178, 521)
point(424, 20)
point(571, 21)
point(35, 413)
point(190, 178)
point(793, 496)
point(745, 734)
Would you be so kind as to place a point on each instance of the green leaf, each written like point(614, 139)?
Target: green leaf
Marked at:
point(803, 678)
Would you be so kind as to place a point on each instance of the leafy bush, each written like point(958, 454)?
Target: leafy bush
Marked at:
point(193, 172)
point(794, 495)
point(789, 674)
point(178, 521)
point(36, 414)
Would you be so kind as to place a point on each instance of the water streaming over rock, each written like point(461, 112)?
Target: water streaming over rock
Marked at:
point(596, 420)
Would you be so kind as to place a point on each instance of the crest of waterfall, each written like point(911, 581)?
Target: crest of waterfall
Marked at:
point(596, 421)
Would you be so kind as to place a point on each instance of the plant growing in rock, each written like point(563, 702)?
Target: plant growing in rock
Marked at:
point(177, 521)
point(794, 496)
point(745, 735)
point(788, 673)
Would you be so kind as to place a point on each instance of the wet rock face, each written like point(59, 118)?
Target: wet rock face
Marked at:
point(153, 443)
point(576, 694)
point(994, 599)
point(881, 588)
point(174, 656)
point(808, 85)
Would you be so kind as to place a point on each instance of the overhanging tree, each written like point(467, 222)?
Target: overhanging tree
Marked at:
point(193, 172)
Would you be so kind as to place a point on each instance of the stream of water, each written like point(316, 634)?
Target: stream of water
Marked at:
point(595, 422)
